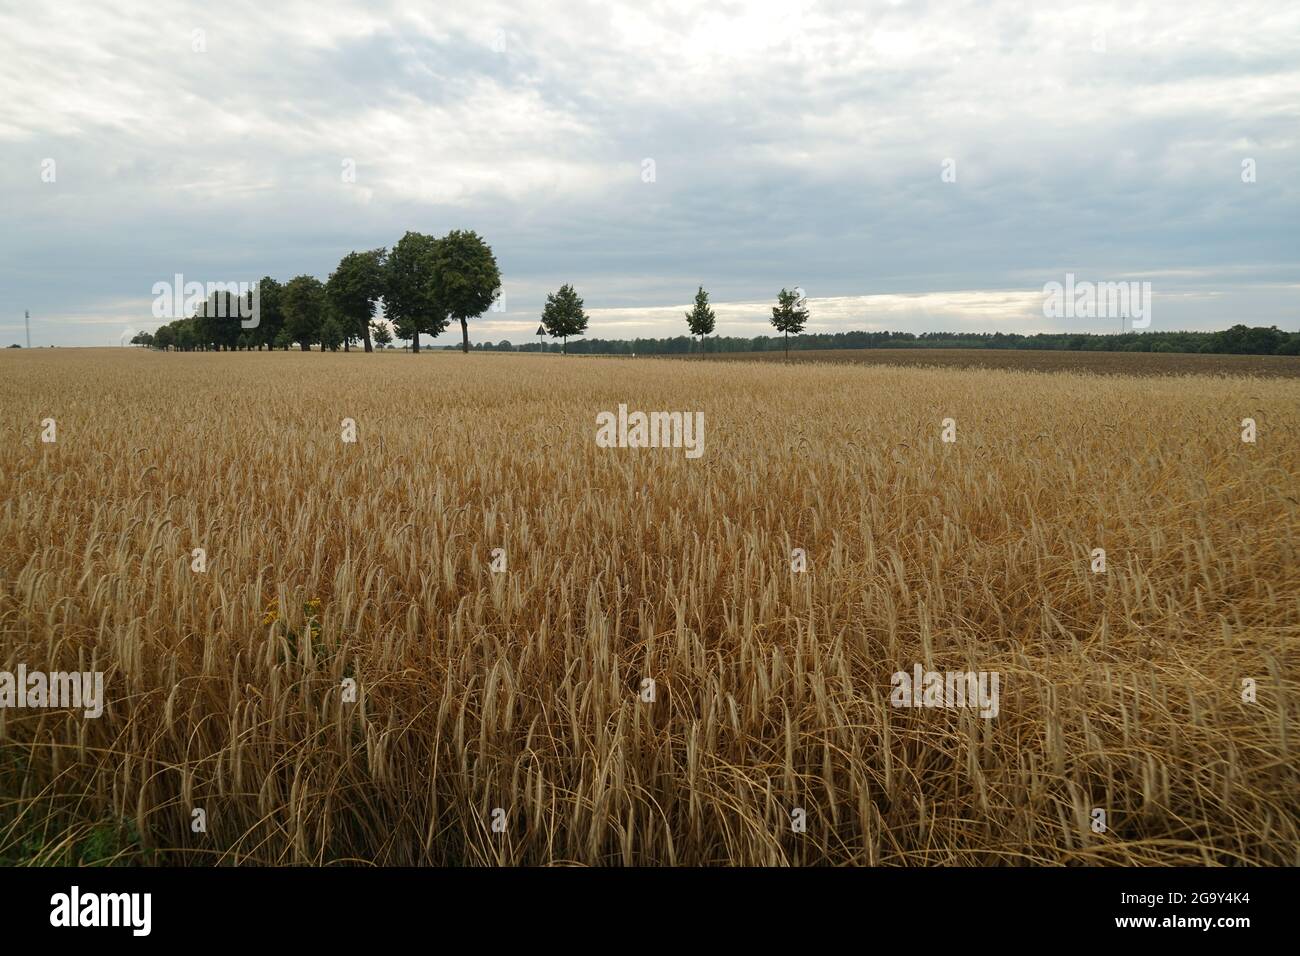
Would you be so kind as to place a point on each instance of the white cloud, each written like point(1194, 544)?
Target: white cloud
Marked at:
point(790, 138)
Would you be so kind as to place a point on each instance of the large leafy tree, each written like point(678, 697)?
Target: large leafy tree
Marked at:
point(563, 315)
point(700, 319)
point(217, 321)
point(353, 290)
point(303, 302)
point(467, 278)
point(789, 315)
point(270, 319)
point(411, 301)
point(204, 324)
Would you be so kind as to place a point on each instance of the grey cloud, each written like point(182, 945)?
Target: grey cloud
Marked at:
point(792, 145)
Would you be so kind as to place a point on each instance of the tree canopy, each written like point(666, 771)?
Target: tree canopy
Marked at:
point(355, 288)
point(411, 300)
point(303, 302)
point(700, 319)
point(563, 315)
point(466, 277)
point(789, 314)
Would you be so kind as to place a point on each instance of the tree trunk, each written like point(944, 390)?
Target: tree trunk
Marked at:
point(415, 344)
point(464, 333)
point(345, 346)
point(369, 347)
point(787, 346)
point(305, 346)
point(565, 348)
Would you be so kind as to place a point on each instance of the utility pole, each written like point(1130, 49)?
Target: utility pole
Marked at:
point(27, 323)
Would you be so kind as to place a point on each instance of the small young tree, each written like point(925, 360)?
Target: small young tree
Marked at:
point(563, 315)
point(331, 334)
point(466, 277)
point(381, 333)
point(700, 319)
point(789, 315)
point(411, 301)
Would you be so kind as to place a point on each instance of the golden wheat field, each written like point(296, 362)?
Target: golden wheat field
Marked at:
point(500, 717)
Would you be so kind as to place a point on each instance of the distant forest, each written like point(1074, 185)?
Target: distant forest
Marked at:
point(1238, 340)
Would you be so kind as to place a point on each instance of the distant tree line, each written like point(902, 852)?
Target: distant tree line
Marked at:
point(1237, 340)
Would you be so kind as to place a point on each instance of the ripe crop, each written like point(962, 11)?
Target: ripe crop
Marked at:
point(501, 716)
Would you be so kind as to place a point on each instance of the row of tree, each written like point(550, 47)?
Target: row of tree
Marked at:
point(424, 283)
point(789, 316)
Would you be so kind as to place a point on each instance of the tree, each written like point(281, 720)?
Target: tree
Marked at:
point(411, 300)
point(270, 315)
point(217, 321)
point(381, 333)
point(354, 288)
point(282, 340)
point(700, 319)
point(789, 315)
point(467, 278)
point(563, 315)
point(303, 303)
point(331, 334)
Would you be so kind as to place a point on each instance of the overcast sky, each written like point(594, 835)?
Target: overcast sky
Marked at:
point(790, 144)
